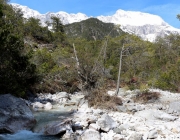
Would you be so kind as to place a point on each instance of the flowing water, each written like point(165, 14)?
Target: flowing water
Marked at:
point(59, 113)
point(45, 117)
point(27, 135)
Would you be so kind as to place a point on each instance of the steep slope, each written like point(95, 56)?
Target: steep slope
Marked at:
point(92, 28)
point(145, 25)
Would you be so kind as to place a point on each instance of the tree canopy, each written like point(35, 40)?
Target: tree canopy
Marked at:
point(16, 72)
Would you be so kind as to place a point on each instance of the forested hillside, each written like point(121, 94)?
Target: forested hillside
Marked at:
point(91, 29)
point(80, 56)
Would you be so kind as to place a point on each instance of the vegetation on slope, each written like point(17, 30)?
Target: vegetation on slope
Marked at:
point(80, 56)
point(17, 74)
point(92, 29)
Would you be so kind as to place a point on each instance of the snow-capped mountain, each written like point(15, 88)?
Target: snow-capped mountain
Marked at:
point(145, 25)
point(65, 17)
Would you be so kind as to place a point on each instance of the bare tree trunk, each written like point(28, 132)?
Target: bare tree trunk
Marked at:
point(77, 61)
point(77, 64)
point(119, 74)
point(104, 55)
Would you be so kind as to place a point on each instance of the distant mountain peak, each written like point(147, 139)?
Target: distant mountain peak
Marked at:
point(133, 18)
point(145, 25)
point(26, 10)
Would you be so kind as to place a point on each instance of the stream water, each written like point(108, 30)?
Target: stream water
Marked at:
point(27, 135)
point(59, 113)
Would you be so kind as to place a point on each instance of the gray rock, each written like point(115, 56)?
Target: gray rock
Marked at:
point(128, 100)
point(174, 107)
point(76, 127)
point(106, 122)
point(43, 98)
point(90, 134)
point(145, 136)
point(117, 130)
point(136, 136)
point(131, 107)
point(170, 111)
point(56, 128)
point(94, 126)
point(165, 116)
point(84, 106)
point(15, 115)
point(61, 97)
point(69, 135)
point(148, 114)
point(48, 106)
point(118, 137)
point(161, 107)
point(97, 112)
point(91, 118)
point(79, 132)
point(110, 135)
point(124, 126)
point(155, 114)
point(37, 105)
point(153, 134)
point(121, 108)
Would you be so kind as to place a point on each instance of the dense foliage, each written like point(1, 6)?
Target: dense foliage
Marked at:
point(44, 59)
point(17, 74)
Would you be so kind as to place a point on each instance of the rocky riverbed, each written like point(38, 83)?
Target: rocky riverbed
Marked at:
point(156, 119)
point(70, 117)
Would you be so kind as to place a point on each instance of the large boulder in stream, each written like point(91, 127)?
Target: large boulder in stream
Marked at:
point(15, 115)
point(58, 128)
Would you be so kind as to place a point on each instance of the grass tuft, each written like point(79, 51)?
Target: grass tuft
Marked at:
point(147, 96)
point(100, 99)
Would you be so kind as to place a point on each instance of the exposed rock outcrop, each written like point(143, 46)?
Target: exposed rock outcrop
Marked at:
point(15, 115)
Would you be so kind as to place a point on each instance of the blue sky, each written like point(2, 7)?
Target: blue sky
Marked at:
point(167, 9)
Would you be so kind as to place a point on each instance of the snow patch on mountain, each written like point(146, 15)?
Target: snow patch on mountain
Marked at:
point(145, 25)
point(133, 18)
point(66, 18)
point(26, 11)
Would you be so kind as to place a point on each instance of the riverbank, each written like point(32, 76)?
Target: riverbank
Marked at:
point(69, 117)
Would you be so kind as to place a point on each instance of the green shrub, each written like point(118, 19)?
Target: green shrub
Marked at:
point(17, 74)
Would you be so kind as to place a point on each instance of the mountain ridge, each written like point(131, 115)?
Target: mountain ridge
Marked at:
point(92, 29)
point(144, 25)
